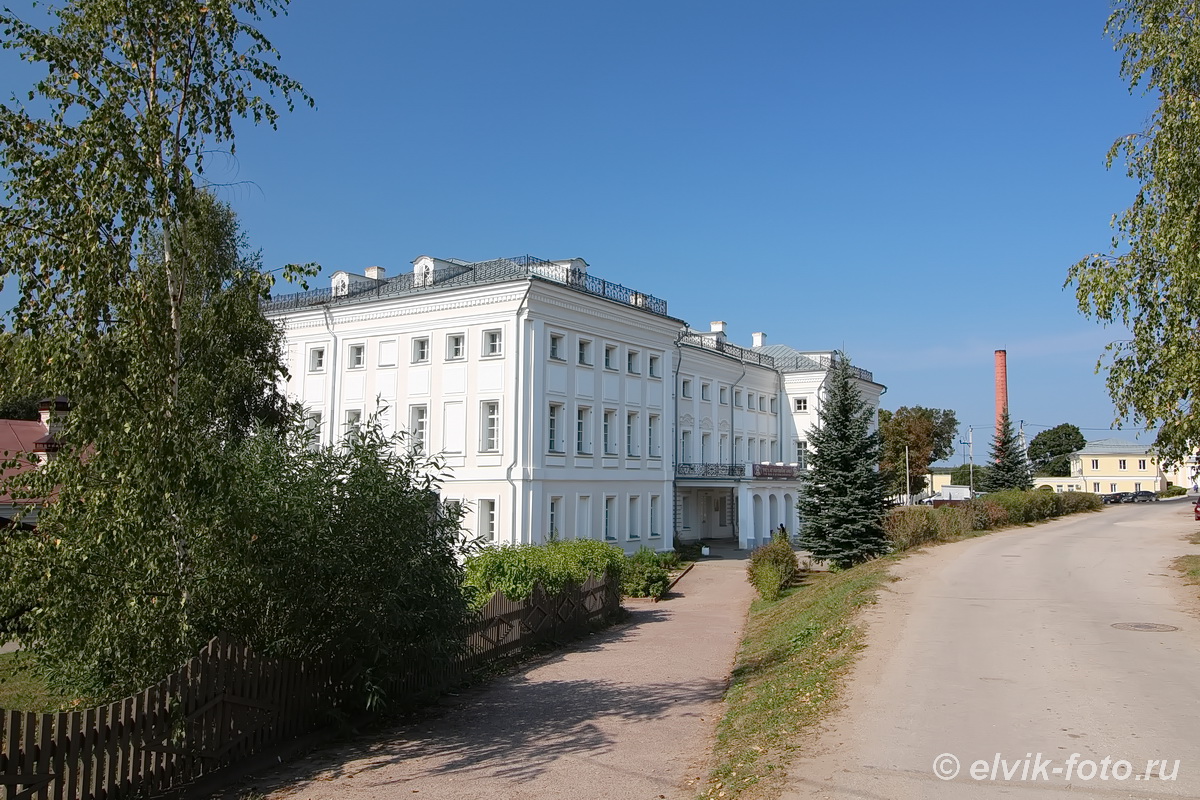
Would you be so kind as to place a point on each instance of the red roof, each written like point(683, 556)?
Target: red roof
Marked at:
point(17, 437)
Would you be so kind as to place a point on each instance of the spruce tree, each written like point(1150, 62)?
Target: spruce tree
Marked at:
point(1009, 468)
point(841, 499)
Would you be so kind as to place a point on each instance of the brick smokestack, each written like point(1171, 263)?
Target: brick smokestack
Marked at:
point(1001, 388)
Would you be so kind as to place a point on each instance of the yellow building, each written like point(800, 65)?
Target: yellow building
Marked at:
point(1109, 465)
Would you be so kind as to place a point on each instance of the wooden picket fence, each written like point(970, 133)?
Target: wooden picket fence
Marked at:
point(227, 704)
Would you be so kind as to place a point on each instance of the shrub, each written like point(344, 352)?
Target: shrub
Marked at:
point(1173, 491)
point(515, 570)
point(910, 526)
point(644, 578)
point(772, 568)
point(688, 551)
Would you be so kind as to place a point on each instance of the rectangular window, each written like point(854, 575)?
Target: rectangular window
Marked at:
point(583, 431)
point(420, 350)
point(316, 359)
point(1141, 463)
point(723, 395)
point(737, 398)
point(487, 520)
point(358, 356)
point(610, 519)
point(456, 347)
point(632, 529)
point(631, 363)
point(554, 420)
point(1137, 487)
point(737, 449)
point(652, 367)
point(1096, 488)
point(685, 446)
point(312, 424)
point(610, 357)
point(705, 391)
point(685, 388)
point(802, 404)
point(1095, 463)
point(610, 433)
point(655, 511)
point(353, 424)
point(585, 353)
point(387, 353)
point(631, 435)
point(489, 426)
point(705, 447)
point(750, 401)
point(583, 517)
point(762, 402)
point(774, 405)
point(418, 420)
point(555, 510)
point(493, 344)
point(1112, 487)
point(1121, 464)
point(802, 454)
point(556, 346)
point(652, 436)
point(722, 446)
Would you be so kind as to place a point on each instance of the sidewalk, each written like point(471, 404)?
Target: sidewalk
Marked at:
point(627, 713)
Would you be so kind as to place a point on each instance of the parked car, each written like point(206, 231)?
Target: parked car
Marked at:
point(1145, 497)
point(1115, 497)
point(1128, 497)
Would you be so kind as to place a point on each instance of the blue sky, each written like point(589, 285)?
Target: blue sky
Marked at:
point(909, 181)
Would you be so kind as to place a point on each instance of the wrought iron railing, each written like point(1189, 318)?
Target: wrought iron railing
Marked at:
point(785, 471)
point(816, 362)
point(716, 344)
point(710, 470)
point(501, 269)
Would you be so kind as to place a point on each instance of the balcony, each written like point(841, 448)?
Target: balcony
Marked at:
point(710, 470)
point(787, 472)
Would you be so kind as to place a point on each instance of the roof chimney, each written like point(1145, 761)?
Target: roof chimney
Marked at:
point(758, 339)
point(717, 326)
point(374, 273)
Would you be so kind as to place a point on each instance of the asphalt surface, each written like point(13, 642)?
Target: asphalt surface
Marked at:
point(627, 713)
point(999, 654)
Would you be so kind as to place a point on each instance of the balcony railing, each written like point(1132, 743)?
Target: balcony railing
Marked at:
point(781, 471)
point(716, 344)
point(710, 470)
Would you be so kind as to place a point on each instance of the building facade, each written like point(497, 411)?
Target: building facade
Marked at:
point(562, 404)
point(1106, 466)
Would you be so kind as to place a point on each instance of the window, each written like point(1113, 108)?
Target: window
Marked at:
point(418, 419)
point(555, 433)
point(555, 509)
point(1095, 463)
point(583, 517)
point(631, 434)
point(610, 521)
point(609, 432)
point(585, 353)
point(312, 424)
point(723, 395)
point(352, 424)
point(420, 350)
point(358, 356)
point(762, 402)
point(722, 446)
point(1121, 464)
point(652, 367)
point(802, 404)
point(493, 344)
point(1096, 488)
point(316, 359)
point(655, 525)
point(686, 388)
point(387, 353)
point(652, 436)
point(456, 347)
point(737, 398)
point(489, 426)
point(583, 431)
point(1137, 487)
point(632, 530)
point(802, 454)
point(705, 447)
point(1112, 487)
point(610, 357)
point(631, 363)
point(737, 449)
point(487, 520)
point(1141, 463)
point(685, 446)
point(774, 405)
point(750, 401)
point(556, 346)
point(705, 391)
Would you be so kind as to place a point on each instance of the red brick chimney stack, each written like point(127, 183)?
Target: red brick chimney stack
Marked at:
point(1001, 388)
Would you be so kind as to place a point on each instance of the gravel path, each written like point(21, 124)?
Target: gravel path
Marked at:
point(627, 713)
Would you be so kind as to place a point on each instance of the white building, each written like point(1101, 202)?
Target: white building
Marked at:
point(562, 402)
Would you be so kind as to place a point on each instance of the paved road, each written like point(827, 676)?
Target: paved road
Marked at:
point(1004, 646)
point(628, 713)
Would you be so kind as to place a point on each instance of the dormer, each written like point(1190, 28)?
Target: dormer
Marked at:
point(425, 269)
point(343, 283)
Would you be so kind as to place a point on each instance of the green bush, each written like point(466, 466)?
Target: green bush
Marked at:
point(515, 570)
point(1173, 491)
point(644, 579)
point(772, 568)
point(688, 551)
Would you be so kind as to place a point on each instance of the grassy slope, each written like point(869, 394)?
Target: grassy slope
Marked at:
point(22, 689)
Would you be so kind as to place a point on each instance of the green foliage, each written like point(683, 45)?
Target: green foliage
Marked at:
point(644, 574)
point(688, 550)
point(516, 569)
point(1149, 281)
point(967, 475)
point(1050, 451)
point(1009, 468)
point(841, 499)
point(772, 568)
point(928, 433)
point(912, 526)
point(1173, 491)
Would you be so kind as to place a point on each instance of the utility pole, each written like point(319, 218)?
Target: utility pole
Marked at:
point(907, 480)
point(971, 450)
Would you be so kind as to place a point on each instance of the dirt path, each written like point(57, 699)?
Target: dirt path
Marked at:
point(1004, 647)
point(628, 713)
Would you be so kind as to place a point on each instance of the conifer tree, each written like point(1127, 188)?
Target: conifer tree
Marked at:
point(841, 500)
point(1009, 468)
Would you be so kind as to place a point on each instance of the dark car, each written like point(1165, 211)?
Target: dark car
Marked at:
point(1115, 497)
point(1127, 497)
point(1145, 497)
